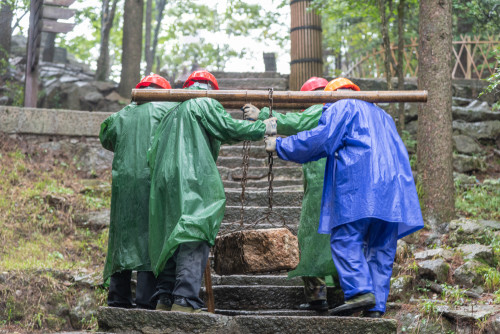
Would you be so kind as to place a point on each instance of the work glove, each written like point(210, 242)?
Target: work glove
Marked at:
point(250, 112)
point(270, 144)
point(271, 126)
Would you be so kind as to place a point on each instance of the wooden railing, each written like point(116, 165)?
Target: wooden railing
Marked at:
point(474, 59)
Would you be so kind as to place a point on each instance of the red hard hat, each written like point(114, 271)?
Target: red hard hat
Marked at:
point(341, 83)
point(201, 75)
point(313, 84)
point(154, 79)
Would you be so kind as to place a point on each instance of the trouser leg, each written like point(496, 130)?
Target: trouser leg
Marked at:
point(381, 244)
point(190, 265)
point(314, 288)
point(166, 279)
point(146, 286)
point(347, 252)
point(120, 293)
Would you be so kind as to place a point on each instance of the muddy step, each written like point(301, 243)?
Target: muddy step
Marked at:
point(260, 197)
point(287, 214)
point(236, 162)
point(260, 173)
point(137, 321)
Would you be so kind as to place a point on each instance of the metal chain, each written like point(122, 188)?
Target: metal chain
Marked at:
point(270, 159)
point(244, 167)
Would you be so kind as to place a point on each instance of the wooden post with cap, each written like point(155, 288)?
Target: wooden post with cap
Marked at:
point(306, 51)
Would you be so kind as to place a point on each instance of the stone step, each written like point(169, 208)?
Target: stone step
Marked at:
point(252, 83)
point(235, 227)
point(260, 173)
point(290, 215)
point(239, 75)
point(236, 161)
point(257, 150)
point(249, 280)
point(266, 297)
point(137, 321)
point(259, 197)
point(286, 184)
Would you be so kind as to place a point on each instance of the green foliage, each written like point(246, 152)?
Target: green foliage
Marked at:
point(429, 307)
point(355, 27)
point(482, 17)
point(453, 294)
point(492, 279)
point(478, 201)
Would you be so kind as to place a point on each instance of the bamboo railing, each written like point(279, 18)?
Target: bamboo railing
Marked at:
point(474, 59)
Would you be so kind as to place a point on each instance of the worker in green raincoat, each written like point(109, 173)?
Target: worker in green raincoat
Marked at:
point(187, 200)
point(315, 255)
point(128, 133)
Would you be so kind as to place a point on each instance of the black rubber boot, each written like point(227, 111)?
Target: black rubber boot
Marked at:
point(315, 305)
point(359, 303)
point(372, 314)
point(165, 302)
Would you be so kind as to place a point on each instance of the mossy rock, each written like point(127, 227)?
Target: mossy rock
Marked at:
point(467, 231)
point(470, 274)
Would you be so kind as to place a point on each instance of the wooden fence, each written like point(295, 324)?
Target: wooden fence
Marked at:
point(474, 59)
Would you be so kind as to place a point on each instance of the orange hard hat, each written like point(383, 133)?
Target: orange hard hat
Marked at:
point(201, 75)
point(154, 79)
point(341, 83)
point(314, 83)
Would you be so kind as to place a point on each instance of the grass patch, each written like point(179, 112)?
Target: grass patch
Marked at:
point(42, 249)
point(478, 201)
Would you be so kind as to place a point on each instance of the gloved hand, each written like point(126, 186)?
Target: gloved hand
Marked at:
point(250, 112)
point(271, 126)
point(270, 144)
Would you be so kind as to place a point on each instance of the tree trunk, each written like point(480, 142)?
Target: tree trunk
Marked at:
point(386, 42)
point(131, 46)
point(401, 76)
point(6, 15)
point(148, 54)
point(107, 17)
point(160, 6)
point(434, 150)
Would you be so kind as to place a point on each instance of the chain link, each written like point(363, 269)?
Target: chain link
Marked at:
point(244, 167)
point(270, 159)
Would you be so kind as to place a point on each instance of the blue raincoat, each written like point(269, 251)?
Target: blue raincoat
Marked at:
point(369, 197)
point(367, 171)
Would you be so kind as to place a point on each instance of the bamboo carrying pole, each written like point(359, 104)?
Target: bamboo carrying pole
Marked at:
point(281, 99)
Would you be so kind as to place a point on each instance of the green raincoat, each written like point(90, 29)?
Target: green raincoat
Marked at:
point(315, 255)
point(128, 133)
point(187, 199)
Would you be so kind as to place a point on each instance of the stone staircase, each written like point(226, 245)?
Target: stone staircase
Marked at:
point(251, 303)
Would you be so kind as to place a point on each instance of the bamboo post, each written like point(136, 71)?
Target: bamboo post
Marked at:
point(208, 289)
point(306, 51)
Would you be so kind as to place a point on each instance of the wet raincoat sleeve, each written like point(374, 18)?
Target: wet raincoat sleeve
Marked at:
point(109, 131)
point(293, 122)
point(220, 125)
point(317, 143)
